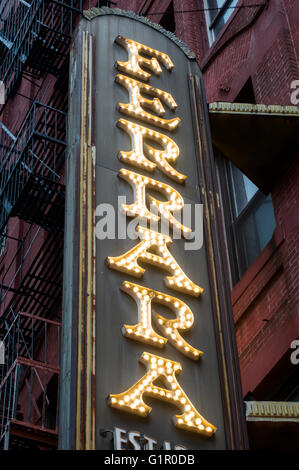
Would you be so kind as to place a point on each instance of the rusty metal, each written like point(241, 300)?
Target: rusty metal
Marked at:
point(25, 372)
point(47, 438)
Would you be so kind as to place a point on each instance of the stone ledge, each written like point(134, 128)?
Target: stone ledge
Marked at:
point(272, 411)
point(245, 108)
point(261, 140)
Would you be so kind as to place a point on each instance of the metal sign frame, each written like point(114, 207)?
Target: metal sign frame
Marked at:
point(79, 419)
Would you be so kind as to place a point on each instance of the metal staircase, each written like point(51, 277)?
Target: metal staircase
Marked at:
point(29, 171)
point(35, 37)
point(28, 384)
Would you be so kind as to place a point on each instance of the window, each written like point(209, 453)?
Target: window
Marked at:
point(168, 19)
point(246, 94)
point(104, 3)
point(249, 219)
point(288, 388)
point(217, 14)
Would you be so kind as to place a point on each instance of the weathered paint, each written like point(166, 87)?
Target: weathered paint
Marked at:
point(214, 383)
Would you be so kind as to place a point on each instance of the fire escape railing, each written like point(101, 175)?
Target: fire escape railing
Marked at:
point(31, 280)
point(25, 395)
point(29, 179)
point(35, 37)
point(30, 284)
point(20, 25)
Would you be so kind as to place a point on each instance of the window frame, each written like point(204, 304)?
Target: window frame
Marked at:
point(211, 23)
point(235, 246)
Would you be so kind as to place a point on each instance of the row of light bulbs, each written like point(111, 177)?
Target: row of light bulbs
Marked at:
point(128, 262)
point(161, 158)
point(143, 331)
point(134, 108)
point(164, 369)
point(133, 65)
point(139, 184)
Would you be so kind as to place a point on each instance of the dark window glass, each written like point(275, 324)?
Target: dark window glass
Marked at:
point(168, 19)
point(218, 13)
point(249, 218)
point(243, 189)
point(246, 94)
point(254, 228)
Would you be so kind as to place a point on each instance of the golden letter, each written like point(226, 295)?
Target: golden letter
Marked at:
point(132, 67)
point(139, 184)
point(163, 369)
point(135, 109)
point(128, 262)
point(144, 297)
point(161, 158)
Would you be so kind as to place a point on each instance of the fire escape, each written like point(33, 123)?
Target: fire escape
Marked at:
point(35, 37)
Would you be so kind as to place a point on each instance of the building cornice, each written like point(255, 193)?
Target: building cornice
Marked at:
point(244, 108)
point(261, 140)
point(272, 411)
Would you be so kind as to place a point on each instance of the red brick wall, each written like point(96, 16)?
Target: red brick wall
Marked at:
point(190, 24)
point(265, 50)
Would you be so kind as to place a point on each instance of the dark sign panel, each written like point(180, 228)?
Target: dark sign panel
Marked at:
point(148, 351)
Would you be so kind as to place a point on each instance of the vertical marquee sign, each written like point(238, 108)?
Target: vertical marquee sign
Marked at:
point(148, 354)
